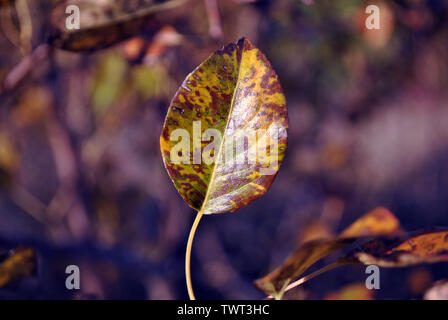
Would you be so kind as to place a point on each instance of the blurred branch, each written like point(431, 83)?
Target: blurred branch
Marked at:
point(68, 202)
point(26, 27)
point(9, 29)
point(214, 19)
point(28, 202)
point(20, 71)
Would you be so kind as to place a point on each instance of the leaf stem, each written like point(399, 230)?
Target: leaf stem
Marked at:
point(312, 275)
point(188, 254)
point(309, 277)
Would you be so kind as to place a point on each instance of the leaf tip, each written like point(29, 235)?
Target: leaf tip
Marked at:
point(245, 44)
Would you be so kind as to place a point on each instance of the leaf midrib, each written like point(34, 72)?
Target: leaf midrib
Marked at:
point(217, 159)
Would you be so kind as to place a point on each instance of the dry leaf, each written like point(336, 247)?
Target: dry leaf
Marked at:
point(103, 24)
point(295, 265)
point(234, 92)
point(21, 263)
point(427, 247)
point(376, 222)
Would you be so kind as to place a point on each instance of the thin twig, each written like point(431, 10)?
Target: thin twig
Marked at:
point(20, 71)
point(26, 27)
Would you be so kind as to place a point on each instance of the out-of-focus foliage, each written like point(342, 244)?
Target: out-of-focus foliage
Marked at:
point(377, 222)
point(4, 2)
point(82, 180)
point(439, 291)
point(104, 23)
point(395, 250)
point(354, 291)
point(20, 263)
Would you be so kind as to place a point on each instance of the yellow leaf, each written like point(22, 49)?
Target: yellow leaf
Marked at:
point(20, 264)
point(376, 222)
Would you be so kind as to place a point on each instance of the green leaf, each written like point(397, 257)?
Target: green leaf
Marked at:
point(236, 92)
point(110, 79)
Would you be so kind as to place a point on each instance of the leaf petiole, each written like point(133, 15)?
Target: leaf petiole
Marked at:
point(308, 277)
point(188, 254)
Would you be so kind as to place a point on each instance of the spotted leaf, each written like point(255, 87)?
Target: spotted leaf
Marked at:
point(224, 136)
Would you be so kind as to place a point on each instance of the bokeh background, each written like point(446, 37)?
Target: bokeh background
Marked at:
point(82, 180)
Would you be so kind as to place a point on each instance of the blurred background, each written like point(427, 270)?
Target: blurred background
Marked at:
point(81, 176)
